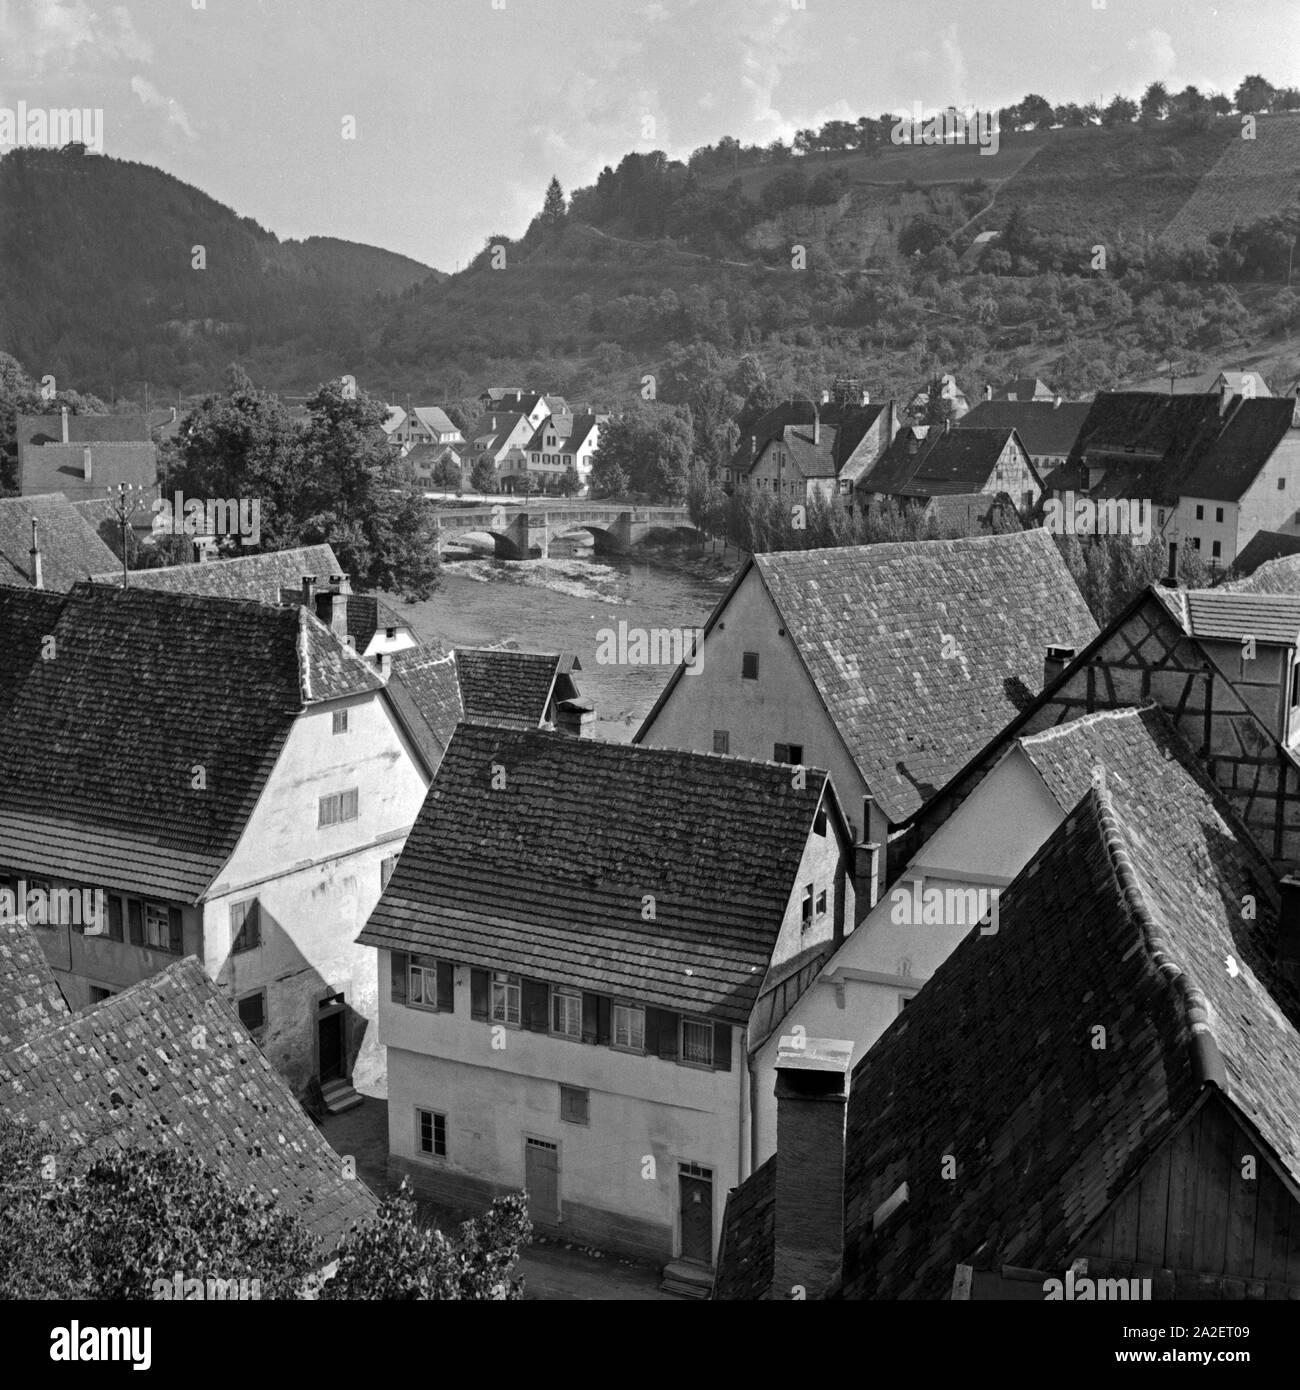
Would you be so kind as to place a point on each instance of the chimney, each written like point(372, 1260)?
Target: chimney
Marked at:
point(1056, 404)
point(332, 607)
point(1171, 579)
point(38, 576)
point(1056, 660)
point(577, 717)
point(384, 663)
point(826, 397)
point(309, 591)
point(811, 1108)
point(817, 426)
point(86, 466)
point(1288, 928)
point(64, 413)
point(866, 874)
point(866, 398)
point(988, 393)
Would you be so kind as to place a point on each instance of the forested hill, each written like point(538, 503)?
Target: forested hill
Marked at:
point(99, 284)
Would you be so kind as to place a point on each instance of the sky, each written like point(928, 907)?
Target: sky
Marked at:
point(460, 111)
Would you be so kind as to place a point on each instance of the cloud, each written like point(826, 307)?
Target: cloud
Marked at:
point(938, 74)
point(1157, 52)
point(151, 96)
point(42, 38)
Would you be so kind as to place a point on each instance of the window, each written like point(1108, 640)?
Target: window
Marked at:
point(252, 1011)
point(1200, 513)
point(788, 753)
point(433, 1133)
point(391, 634)
point(1196, 542)
point(1281, 483)
point(1216, 549)
point(386, 871)
point(505, 997)
point(749, 666)
point(629, 1027)
point(819, 825)
point(575, 1105)
point(721, 741)
point(245, 925)
point(806, 908)
point(904, 1000)
point(566, 1013)
point(340, 721)
point(697, 1042)
point(1218, 513)
point(424, 976)
point(157, 927)
point(98, 994)
point(821, 903)
point(337, 808)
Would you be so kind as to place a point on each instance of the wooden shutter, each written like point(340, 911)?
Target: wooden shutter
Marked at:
point(603, 1011)
point(661, 1032)
point(135, 921)
point(175, 931)
point(446, 986)
point(590, 1018)
point(535, 1004)
point(114, 917)
point(397, 961)
point(722, 1046)
point(478, 993)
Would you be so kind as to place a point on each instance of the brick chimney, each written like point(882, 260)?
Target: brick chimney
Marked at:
point(86, 465)
point(1288, 928)
point(64, 414)
point(577, 717)
point(309, 591)
point(1056, 660)
point(383, 663)
point(38, 576)
point(332, 607)
point(1171, 578)
point(811, 1109)
point(866, 874)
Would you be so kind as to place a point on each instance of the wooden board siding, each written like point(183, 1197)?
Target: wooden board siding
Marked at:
point(1193, 1212)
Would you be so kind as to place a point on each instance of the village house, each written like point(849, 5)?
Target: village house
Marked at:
point(170, 1061)
point(45, 543)
point(1048, 428)
point(1097, 1101)
point(889, 665)
point(1262, 547)
point(1023, 388)
point(574, 943)
point(233, 776)
point(963, 461)
point(432, 690)
point(87, 456)
point(560, 442)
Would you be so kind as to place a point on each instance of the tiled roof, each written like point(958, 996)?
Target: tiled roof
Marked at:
point(1148, 422)
point(897, 464)
point(955, 460)
point(1024, 388)
point(812, 460)
point(144, 688)
point(548, 874)
point(260, 577)
point(27, 617)
point(423, 687)
point(850, 423)
point(1229, 465)
point(166, 1064)
point(872, 623)
point(1045, 429)
point(1280, 576)
point(1232, 616)
point(747, 1243)
point(30, 997)
point(61, 468)
point(1262, 547)
point(82, 429)
point(1126, 919)
point(434, 418)
point(507, 687)
point(70, 548)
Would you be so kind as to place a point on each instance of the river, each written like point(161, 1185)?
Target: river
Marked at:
point(562, 605)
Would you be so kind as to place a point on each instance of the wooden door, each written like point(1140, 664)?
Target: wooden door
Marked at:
point(695, 1186)
point(542, 1180)
point(332, 1064)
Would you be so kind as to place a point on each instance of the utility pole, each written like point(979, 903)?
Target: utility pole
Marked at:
point(124, 507)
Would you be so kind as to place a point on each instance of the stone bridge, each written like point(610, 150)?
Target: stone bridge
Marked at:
point(514, 532)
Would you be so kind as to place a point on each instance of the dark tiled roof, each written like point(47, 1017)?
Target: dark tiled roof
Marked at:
point(30, 998)
point(897, 464)
point(259, 577)
point(1228, 466)
point(60, 468)
point(506, 687)
point(1045, 429)
point(849, 423)
point(547, 875)
point(1125, 919)
point(145, 686)
point(426, 693)
point(955, 461)
point(70, 548)
point(1262, 547)
point(367, 613)
point(82, 429)
point(27, 617)
point(872, 623)
point(167, 1064)
point(1148, 422)
point(747, 1245)
point(1280, 576)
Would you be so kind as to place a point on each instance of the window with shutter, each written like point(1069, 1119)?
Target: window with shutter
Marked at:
point(245, 925)
point(506, 1004)
point(478, 994)
point(697, 1042)
point(398, 963)
point(566, 1013)
point(629, 1027)
point(135, 921)
point(252, 1011)
point(575, 1104)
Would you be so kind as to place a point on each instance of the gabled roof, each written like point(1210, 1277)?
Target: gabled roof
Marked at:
point(423, 688)
point(547, 873)
point(1124, 920)
point(82, 429)
point(508, 687)
point(260, 577)
point(1024, 388)
point(850, 423)
point(1228, 466)
point(1262, 547)
point(30, 997)
point(435, 419)
point(27, 617)
point(102, 744)
point(1280, 576)
point(955, 460)
point(61, 468)
point(812, 460)
point(898, 462)
point(1045, 429)
point(70, 547)
point(1146, 422)
point(871, 624)
point(747, 1244)
point(394, 420)
point(166, 1064)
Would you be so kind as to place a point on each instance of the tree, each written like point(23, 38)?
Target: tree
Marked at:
point(570, 484)
point(483, 476)
point(446, 474)
point(937, 410)
point(554, 210)
point(1035, 112)
point(1254, 94)
point(650, 449)
point(921, 235)
point(1155, 102)
point(1119, 111)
